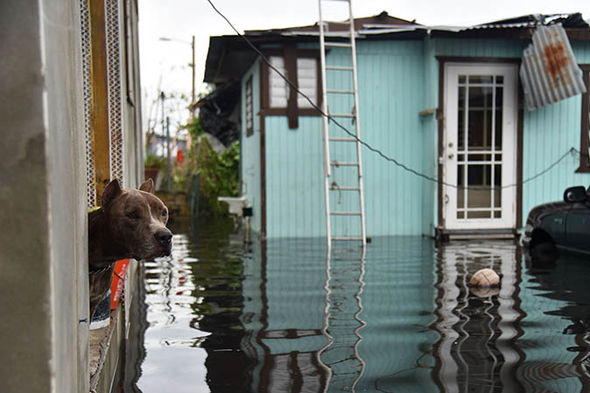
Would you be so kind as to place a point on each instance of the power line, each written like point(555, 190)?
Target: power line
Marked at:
point(365, 144)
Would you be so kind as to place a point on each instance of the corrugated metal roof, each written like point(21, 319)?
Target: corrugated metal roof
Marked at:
point(549, 71)
point(230, 56)
point(385, 24)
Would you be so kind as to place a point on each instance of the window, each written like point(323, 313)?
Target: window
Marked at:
point(585, 124)
point(279, 98)
point(307, 82)
point(249, 108)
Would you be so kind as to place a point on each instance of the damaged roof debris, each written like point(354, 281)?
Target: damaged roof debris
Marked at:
point(219, 112)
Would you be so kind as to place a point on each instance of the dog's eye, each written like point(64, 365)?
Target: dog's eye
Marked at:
point(164, 213)
point(132, 215)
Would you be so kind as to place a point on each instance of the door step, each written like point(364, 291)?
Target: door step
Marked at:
point(470, 234)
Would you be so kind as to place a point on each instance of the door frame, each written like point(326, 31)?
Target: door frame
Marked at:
point(440, 231)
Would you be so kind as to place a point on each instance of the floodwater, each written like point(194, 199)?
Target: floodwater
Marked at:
point(225, 316)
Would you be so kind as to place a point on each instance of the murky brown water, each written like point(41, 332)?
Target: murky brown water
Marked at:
point(224, 316)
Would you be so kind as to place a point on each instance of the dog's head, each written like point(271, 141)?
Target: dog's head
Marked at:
point(137, 220)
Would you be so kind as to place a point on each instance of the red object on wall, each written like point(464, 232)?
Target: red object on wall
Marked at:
point(180, 157)
point(118, 283)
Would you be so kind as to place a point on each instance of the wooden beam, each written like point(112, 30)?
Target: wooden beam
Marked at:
point(99, 113)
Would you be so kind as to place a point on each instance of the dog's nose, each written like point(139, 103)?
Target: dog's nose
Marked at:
point(164, 237)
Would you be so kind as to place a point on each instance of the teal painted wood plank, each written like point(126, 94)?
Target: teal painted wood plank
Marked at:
point(391, 95)
point(250, 149)
point(294, 178)
point(480, 47)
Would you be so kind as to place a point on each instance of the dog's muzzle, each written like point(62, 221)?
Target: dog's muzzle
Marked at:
point(164, 239)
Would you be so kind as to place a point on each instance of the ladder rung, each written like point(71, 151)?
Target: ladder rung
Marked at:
point(347, 115)
point(345, 213)
point(338, 44)
point(347, 238)
point(338, 163)
point(339, 68)
point(345, 188)
point(333, 91)
point(342, 140)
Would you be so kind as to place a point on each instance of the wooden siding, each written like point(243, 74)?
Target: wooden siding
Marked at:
point(397, 80)
point(250, 148)
point(294, 178)
point(391, 96)
point(430, 133)
point(389, 106)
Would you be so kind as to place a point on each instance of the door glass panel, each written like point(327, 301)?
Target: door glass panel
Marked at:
point(479, 157)
point(461, 118)
point(497, 185)
point(479, 195)
point(460, 188)
point(479, 134)
point(498, 127)
point(487, 79)
point(480, 117)
point(479, 214)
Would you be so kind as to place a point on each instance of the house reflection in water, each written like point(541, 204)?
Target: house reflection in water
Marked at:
point(308, 317)
point(478, 329)
point(404, 319)
point(286, 317)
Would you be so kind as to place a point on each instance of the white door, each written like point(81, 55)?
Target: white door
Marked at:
point(479, 154)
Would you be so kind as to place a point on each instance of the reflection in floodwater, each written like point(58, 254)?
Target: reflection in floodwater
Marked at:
point(286, 316)
point(478, 329)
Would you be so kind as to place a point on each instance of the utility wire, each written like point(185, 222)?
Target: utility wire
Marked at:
point(572, 150)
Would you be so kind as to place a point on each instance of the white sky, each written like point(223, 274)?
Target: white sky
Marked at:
point(165, 64)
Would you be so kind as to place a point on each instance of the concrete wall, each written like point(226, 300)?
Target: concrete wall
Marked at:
point(43, 245)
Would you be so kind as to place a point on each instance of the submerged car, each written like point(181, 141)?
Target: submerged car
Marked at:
point(560, 225)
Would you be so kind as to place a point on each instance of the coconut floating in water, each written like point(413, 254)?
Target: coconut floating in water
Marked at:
point(485, 278)
point(484, 283)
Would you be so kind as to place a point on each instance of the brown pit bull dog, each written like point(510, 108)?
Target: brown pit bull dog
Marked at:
point(130, 224)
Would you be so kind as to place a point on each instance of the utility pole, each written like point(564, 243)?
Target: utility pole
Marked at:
point(168, 163)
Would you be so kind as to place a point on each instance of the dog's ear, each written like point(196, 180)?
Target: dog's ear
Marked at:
point(112, 190)
point(148, 186)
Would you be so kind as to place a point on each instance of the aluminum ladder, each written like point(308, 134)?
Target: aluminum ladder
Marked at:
point(343, 171)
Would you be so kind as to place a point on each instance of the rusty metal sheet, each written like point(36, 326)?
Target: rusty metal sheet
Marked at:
point(549, 72)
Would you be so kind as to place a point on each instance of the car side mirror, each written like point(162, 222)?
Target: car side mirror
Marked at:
point(574, 194)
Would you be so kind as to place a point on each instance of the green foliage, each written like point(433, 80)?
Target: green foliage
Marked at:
point(218, 175)
point(153, 161)
point(218, 172)
point(194, 129)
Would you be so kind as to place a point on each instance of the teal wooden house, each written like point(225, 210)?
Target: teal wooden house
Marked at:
point(459, 152)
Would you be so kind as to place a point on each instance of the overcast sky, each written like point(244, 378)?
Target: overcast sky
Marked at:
point(165, 64)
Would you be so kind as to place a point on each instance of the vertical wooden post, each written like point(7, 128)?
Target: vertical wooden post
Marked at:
point(99, 113)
